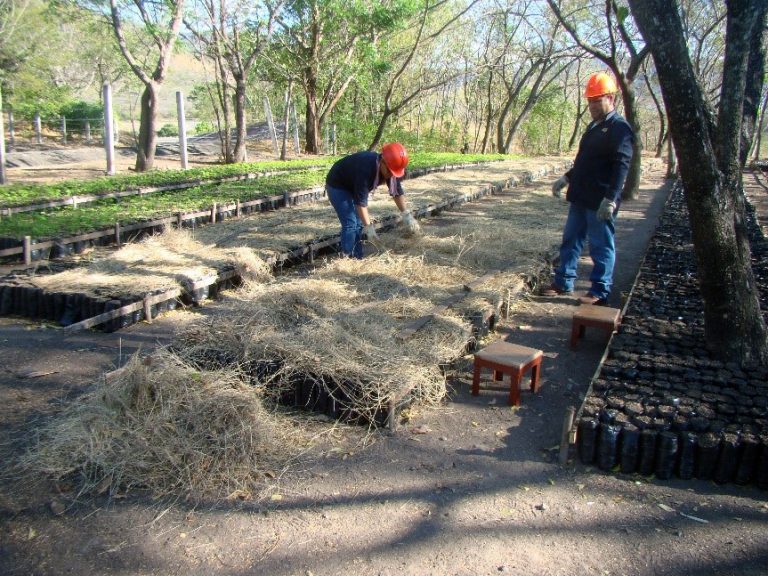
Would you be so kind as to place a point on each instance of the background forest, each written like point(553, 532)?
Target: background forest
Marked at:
point(479, 75)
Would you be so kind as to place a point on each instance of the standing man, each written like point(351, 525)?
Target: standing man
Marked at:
point(349, 183)
point(594, 191)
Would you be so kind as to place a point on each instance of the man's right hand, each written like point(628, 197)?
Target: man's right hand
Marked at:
point(557, 187)
point(370, 233)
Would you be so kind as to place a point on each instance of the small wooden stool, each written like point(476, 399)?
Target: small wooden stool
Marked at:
point(595, 316)
point(507, 358)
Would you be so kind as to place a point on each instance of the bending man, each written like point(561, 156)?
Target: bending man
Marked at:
point(352, 179)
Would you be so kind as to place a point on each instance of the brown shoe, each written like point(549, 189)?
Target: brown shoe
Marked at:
point(592, 300)
point(555, 290)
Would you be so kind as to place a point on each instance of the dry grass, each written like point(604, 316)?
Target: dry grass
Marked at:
point(195, 422)
point(172, 428)
point(159, 262)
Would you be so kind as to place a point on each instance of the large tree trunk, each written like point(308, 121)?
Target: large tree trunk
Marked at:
point(708, 157)
point(145, 156)
point(754, 84)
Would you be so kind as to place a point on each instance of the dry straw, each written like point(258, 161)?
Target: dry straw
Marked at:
point(201, 419)
point(159, 262)
point(169, 427)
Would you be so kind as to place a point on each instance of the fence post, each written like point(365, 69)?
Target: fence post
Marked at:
point(109, 143)
point(63, 129)
point(182, 129)
point(11, 131)
point(117, 234)
point(2, 143)
point(27, 247)
point(87, 131)
point(38, 129)
point(333, 138)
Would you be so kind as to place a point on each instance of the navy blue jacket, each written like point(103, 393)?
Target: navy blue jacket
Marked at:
point(356, 173)
point(602, 163)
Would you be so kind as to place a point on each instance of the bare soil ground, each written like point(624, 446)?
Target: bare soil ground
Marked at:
point(471, 488)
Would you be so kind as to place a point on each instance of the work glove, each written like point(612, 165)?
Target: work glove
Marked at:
point(370, 233)
point(606, 209)
point(559, 184)
point(410, 224)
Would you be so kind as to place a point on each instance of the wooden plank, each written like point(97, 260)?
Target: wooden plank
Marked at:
point(419, 323)
point(127, 309)
point(480, 280)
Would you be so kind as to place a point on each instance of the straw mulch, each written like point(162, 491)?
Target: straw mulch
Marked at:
point(339, 329)
point(157, 263)
point(201, 418)
point(169, 427)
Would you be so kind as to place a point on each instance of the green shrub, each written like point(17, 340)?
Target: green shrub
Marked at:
point(168, 130)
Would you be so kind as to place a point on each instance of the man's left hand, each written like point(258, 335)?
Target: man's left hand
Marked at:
point(606, 209)
point(412, 227)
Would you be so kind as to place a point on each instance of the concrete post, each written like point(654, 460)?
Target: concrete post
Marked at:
point(182, 129)
point(109, 142)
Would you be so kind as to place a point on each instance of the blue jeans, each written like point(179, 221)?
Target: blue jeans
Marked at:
point(582, 225)
point(351, 239)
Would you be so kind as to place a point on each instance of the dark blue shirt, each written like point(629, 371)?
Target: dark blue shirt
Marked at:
point(602, 163)
point(358, 173)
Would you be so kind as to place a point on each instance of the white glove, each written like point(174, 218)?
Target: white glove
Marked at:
point(370, 233)
point(606, 209)
point(412, 227)
point(557, 187)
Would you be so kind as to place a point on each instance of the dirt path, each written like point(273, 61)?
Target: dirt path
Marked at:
point(471, 488)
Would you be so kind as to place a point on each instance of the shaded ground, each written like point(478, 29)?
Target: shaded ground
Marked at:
point(471, 488)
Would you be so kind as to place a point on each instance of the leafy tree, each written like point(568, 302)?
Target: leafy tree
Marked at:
point(233, 34)
point(146, 31)
point(323, 44)
point(709, 146)
point(613, 52)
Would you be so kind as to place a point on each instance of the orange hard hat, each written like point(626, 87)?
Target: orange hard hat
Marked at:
point(599, 84)
point(395, 157)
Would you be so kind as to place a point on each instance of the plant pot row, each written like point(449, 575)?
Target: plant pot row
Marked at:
point(661, 403)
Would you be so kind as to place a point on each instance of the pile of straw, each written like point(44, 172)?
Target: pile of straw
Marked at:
point(200, 419)
point(339, 328)
point(171, 428)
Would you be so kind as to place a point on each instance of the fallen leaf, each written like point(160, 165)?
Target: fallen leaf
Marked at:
point(666, 508)
point(422, 429)
point(276, 497)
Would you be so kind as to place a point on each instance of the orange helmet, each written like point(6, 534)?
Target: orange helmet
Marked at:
point(395, 157)
point(600, 84)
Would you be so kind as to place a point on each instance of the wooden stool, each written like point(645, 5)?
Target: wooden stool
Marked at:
point(596, 316)
point(507, 358)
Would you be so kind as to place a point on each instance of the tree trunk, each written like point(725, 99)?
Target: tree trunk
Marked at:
point(312, 122)
point(145, 156)
point(671, 160)
point(241, 136)
point(733, 322)
point(754, 83)
point(760, 128)
point(632, 184)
